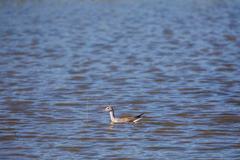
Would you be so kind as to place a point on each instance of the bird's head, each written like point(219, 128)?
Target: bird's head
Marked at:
point(108, 108)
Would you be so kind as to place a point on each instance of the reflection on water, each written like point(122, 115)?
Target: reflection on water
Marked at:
point(62, 61)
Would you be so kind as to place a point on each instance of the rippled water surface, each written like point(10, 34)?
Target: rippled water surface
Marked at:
point(176, 61)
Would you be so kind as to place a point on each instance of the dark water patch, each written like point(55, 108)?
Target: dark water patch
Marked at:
point(194, 91)
point(226, 69)
point(55, 66)
point(16, 147)
point(236, 145)
point(7, 129)
point(74, 71)
point(158, 148)
point(25, 89)
point(21, 156)
point(198, 69)
point(116, 148)
point(231, 38)
point(214, 133)
point(155, 92)
point(235, 101)
point(151, 139)
point(65, 104)
point(185, 115)
point(20, 103)
point(78, 78)
point(168, 33)
point(72, 149)
point(19, 106)
point(114, 157)
point(171, 124)
point(8, 137)
point(208, 148)
point(103, 139)
point(26, 136)
point(227, 119)
point(46, 138)
point(160, 80)
point(137, 102)
point(168, 131)
point(11, 121)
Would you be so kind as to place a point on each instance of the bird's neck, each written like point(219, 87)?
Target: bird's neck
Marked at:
point(112, 116)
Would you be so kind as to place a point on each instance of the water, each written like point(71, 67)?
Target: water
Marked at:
point(63, 61)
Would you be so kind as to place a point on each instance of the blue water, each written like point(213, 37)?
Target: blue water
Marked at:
point(63, 61)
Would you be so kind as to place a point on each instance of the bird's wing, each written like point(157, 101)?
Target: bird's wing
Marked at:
point(126, 118)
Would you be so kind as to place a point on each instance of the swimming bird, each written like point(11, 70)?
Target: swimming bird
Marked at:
point(128, 119)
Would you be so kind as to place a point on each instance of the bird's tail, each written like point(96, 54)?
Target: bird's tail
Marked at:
point(139, 116)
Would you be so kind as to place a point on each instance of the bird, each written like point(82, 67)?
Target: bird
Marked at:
point(129, 119)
